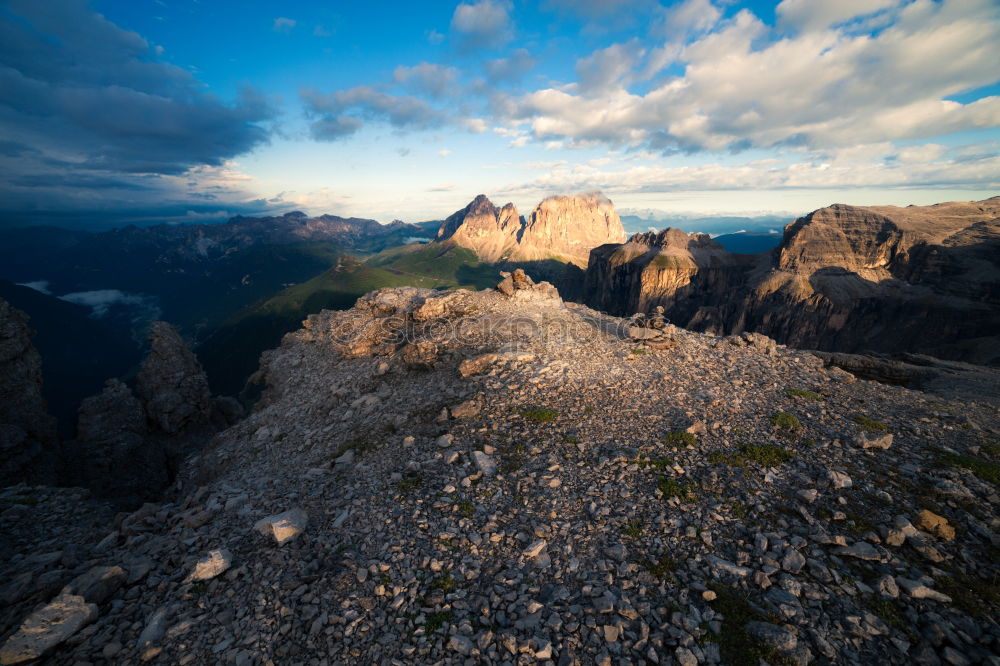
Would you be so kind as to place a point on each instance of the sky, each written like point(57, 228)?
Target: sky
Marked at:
point(195, 110)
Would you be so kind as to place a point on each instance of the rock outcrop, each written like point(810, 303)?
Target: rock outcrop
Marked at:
point(171, 383)
point(564, 228)
point(27, 430)
point(844, 278)
point(115, 455)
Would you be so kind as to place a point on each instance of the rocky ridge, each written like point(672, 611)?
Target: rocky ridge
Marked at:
point(27, 431)
point(502, 477)
point(564, 228)
point(921, 279)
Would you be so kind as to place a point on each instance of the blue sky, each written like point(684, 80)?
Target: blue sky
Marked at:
point(187, 110)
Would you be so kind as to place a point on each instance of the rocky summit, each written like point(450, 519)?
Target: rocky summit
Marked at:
point(919, 279)
point(500, 477)
point(564, 228)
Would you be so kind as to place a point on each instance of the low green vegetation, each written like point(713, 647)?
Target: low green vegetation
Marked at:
point(633, 528)
point(655, 463)
point(871, 426)
point(805, 395)
point(539, 414)
point(571, 439)
point(978, 597)
point(639, 351)
point(680, 439)
point(673, 488)
point(766, 455)
point(663, 568)
point(445, 584)
point(409, 484)
point(985, 469)
point(736, 645)
point(437, 620)
point(466, 509)
point(787, 424)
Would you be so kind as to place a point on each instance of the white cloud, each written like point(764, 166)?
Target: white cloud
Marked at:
point(608, 68)
point(510, 68)
point(444, 152)
point(484, 24)
point(691, 16)
point(810, 15)
point(427, 78)
point(829, 88)
point(283, 24)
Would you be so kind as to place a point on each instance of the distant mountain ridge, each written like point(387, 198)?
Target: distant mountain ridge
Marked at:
point(922, 279)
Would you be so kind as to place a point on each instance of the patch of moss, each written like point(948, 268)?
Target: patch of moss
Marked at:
point(976, 596)
point(871, 426)
point(571, 439)
point(766, 455)
point(663, 568)
point(679, 439)
point(639, 351)
point(466, 509)
point(539, 414)
point(655, 463)
point(787, 424)
point(632, 528)
point(445, 583)
point(984, 469)
point(409, 484)
point(673, 488)
point(436, 620)
point(805, 395)
point(739, 509)
point(736, 645)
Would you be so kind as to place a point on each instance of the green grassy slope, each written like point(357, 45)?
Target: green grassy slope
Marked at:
point(231, 352)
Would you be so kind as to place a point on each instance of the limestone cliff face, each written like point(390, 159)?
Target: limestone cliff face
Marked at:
point(27, 430)
point(568, 228)
point(844, 278)
point(679, 271)
point(562, 228)
point(491, 232)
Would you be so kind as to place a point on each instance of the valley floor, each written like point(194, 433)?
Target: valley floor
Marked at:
point(489, 479)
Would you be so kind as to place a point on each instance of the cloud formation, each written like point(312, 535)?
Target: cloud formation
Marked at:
point(484, 24)
point(93, 108)
point(743, 89)
point(339, 114)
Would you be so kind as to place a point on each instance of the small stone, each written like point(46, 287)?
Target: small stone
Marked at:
point(465, 410)
point(685, 657)
point(886, 586)
point(709, 595)
point(935, 524)
point(283, 526)
point(838, 480)
point(461, 645)
point(611, 633)
point(484, 463)
point(877, 442)
point(213, 563)
point(779, 638)
point(444, 441)
point(793, 561)
point(861, 550)
point(808, 495)
point(535, 548)
point(98, 584)
point(918, 590)
point(46, 628)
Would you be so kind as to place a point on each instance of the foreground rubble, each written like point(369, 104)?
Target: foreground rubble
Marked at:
point(458, 477)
